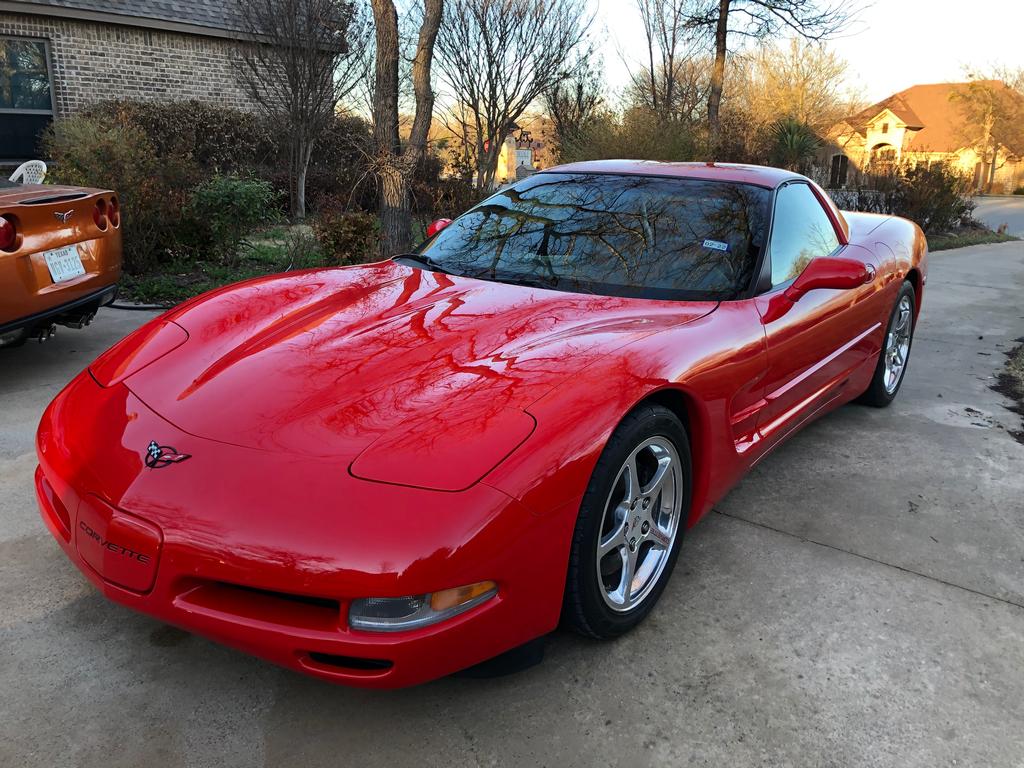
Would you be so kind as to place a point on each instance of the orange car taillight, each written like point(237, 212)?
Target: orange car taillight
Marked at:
point(114, 213)
point(8, 234)
point(99, 214)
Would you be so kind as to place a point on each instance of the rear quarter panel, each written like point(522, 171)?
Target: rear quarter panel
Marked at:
point(900, 246)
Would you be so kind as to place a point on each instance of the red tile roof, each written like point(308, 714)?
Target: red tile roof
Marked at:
point(931, 109)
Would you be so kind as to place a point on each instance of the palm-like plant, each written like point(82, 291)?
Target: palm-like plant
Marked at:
point(793, 144)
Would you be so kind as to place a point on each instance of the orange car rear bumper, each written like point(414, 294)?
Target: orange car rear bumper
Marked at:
point(61, 221)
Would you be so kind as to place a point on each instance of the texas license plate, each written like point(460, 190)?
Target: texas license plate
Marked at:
point(64, 263)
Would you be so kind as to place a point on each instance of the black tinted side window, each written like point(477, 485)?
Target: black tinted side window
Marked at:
point(801, 231)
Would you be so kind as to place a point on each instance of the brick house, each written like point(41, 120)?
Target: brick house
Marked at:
point(57, 56)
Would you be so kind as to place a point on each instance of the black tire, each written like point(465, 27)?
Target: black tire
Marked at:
point(585, 609)
point(878, 395)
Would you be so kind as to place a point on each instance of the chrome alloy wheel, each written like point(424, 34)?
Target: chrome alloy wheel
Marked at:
point(641, 519)
point(897, 345)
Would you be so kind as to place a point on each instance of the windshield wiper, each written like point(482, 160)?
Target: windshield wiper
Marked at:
point(422, 260)
point(547, 283)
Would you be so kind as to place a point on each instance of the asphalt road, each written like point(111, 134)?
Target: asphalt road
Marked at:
point(996, 211)
point(858, 600)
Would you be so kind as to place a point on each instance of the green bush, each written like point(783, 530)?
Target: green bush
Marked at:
point(211, 139)
point(224, 209)
point(1019, 191)
point(937, 198)
point(99, 152)
point(792, 144)
point(347, 238)
point(179, 168)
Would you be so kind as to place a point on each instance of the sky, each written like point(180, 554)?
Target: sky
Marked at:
point(893, 44)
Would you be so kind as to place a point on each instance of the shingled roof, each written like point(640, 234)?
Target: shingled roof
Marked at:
point(929, 110)
point(220, 18)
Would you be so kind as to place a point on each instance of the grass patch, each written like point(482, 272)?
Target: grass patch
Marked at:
point(949, 240)
point(280, 249)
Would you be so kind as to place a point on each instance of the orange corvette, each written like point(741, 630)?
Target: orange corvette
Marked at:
point(60, 257)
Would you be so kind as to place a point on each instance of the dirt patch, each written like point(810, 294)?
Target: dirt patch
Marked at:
point(1011, 384)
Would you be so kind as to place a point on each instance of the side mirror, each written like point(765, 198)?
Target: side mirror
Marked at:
point(836, 273)
point(437, 226)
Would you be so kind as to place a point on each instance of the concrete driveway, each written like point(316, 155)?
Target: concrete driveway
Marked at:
point(858, 600)
point(996, 211)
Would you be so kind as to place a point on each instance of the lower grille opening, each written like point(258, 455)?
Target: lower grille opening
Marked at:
point(235, 602)
point(319, 602)
point(350, 662)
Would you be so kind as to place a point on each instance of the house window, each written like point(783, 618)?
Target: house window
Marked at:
point(885, 127)
point(26, 96)
point(840, 167)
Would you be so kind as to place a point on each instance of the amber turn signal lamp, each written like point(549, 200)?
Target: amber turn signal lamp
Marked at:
point(451, 598)
point(396, 614)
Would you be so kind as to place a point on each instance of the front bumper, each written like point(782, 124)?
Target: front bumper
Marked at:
point(264, 552)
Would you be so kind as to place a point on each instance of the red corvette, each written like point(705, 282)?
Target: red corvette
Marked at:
point(383, 474)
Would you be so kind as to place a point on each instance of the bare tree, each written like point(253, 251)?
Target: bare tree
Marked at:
point(684, 102)
point(803, 80)
point(993, 123)
point(1014, 78)
point(499, 56)
point(458, 121)
point(394, 164)
point(673, 71)
point(760, 19)
point(301, 59)
point(573, 103)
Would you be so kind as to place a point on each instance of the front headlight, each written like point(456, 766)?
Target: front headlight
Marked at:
point(395, 614)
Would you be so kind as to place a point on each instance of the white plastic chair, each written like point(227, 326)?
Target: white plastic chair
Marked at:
point(31, 172)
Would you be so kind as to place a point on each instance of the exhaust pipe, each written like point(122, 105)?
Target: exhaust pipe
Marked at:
point(78, 322)
point(45, 333)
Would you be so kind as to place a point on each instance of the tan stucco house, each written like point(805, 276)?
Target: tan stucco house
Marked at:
point(921, 125)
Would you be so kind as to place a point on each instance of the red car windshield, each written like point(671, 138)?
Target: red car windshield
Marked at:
point(638, 236)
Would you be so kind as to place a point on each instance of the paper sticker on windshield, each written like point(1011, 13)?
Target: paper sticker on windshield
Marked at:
point(716, 245)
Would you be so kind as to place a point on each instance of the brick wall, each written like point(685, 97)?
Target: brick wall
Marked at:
point(91, 62)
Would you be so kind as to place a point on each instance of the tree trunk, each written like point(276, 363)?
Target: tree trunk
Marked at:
point(390, 180)
point(300, 195)
point(395, 167)
point(993, 167)
point(487, 168)
point(718, 79)
point(301, 152)
point(395, 229)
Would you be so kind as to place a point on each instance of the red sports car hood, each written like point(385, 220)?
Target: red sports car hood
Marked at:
point(325, 362)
